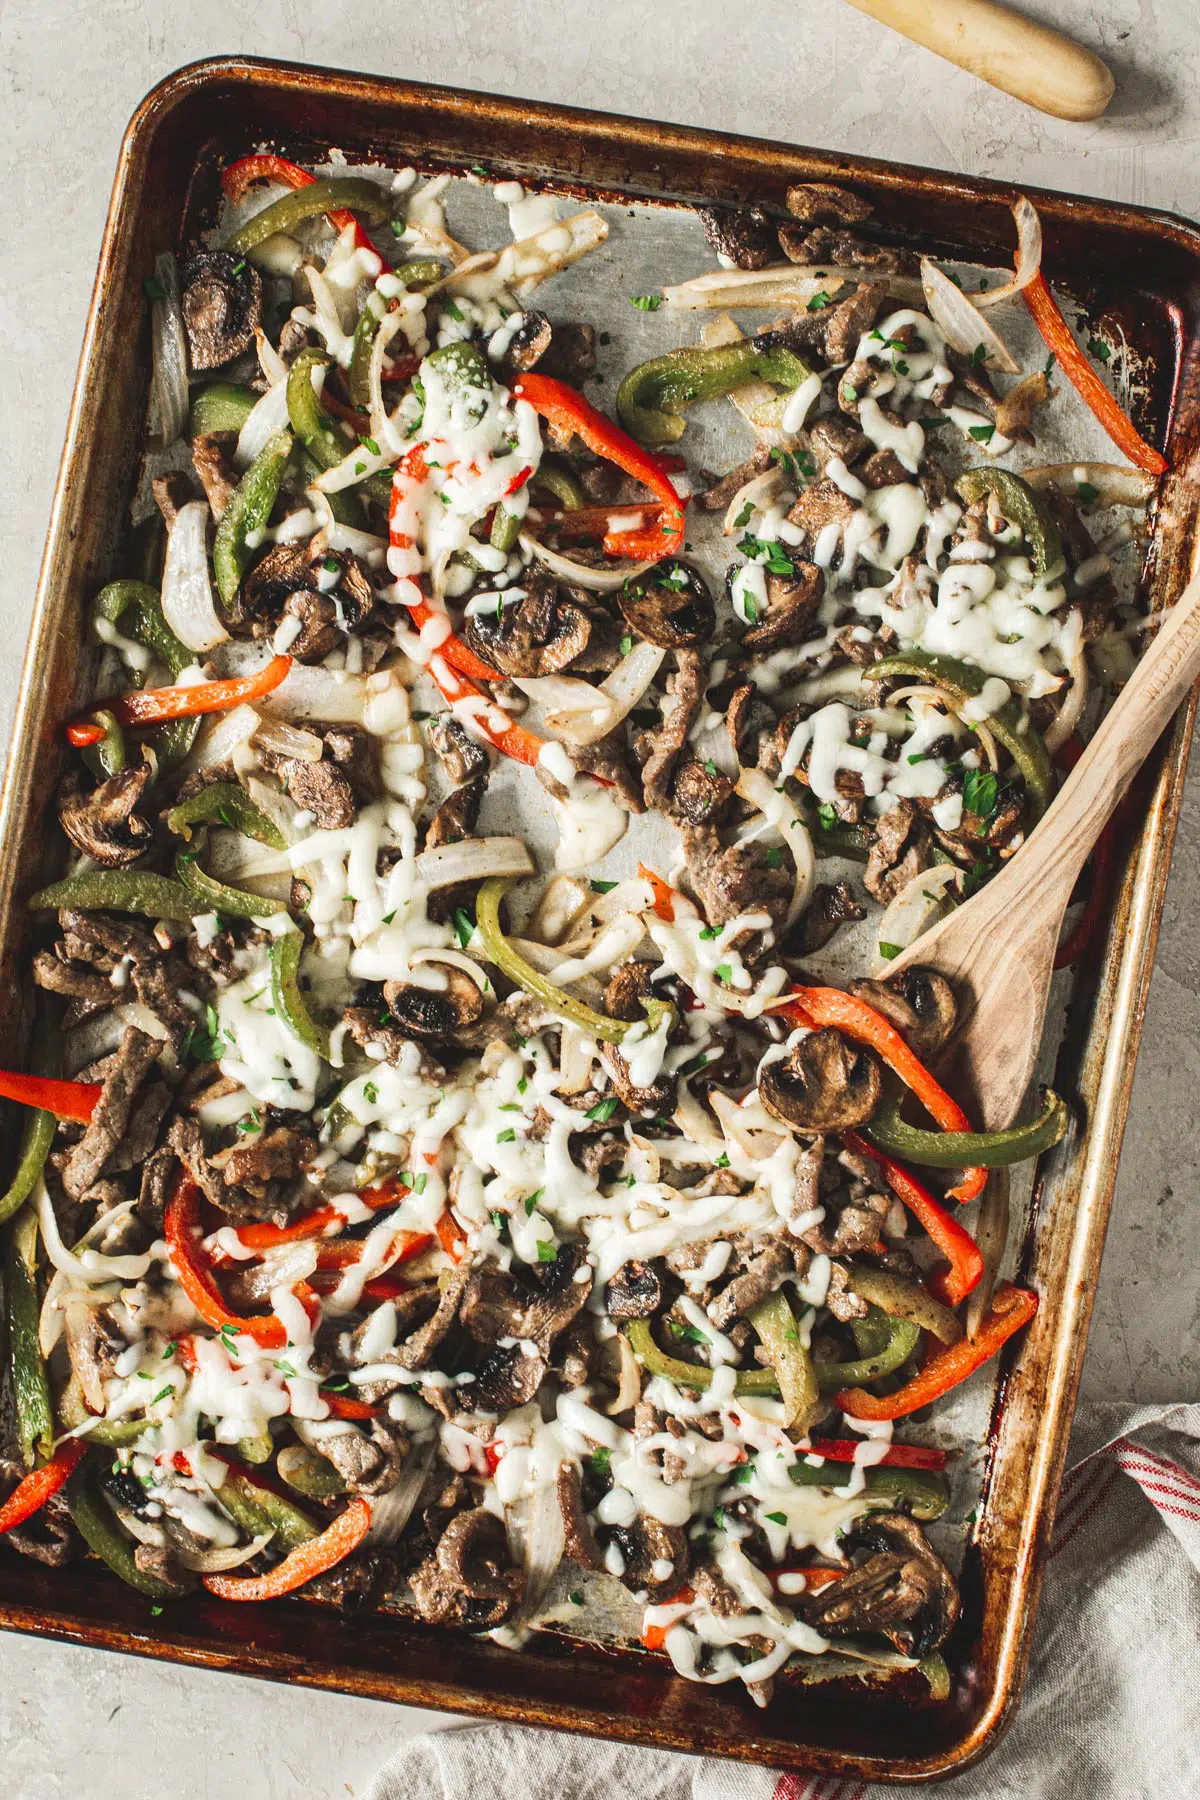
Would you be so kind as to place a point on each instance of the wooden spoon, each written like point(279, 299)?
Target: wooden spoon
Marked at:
point(998, 949)
point(1028, 60)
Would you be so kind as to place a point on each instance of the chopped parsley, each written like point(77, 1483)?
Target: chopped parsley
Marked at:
point(370, 1093)
point(750, 607)
point(251, 1122)
point(602, 887)
point(820, 301)
point(546, 1252)
point(507, 1137)
point(626, 645)
point(532, 1200)
point(453, 309)
point(464, 925)
point(332, 566)
point(500, 1221)
point(710, 767)
point(646, 302)
point(983, 434)
point(774, 857)
point(981, 791)
point(1086, 494)
point(777, 1518)
point(849, 391)
point(603, 1110)
point(827, 814)
point(977, 356)
point(575, 1597)
point(889, 951)
point(1050, 361)
point(719, 1518)
point(722, 1161)
point(766, 550)
point(710, 931)
point(745, 516)
point(205, 1045)
point(398, 227)
point(600, 1460)
point(724, 973)
point(285, 1368)
point(743, 1475)
point(1099, 349)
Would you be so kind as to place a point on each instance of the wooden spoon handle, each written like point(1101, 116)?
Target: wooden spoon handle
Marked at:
point(1025, 59)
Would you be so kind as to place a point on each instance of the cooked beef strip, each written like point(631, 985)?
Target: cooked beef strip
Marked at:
point(110, 1121)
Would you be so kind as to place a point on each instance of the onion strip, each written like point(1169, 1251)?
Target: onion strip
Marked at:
point(780, 284)
point(169, 381)
point(919, 902)
point(598, 581)
point(473, 859)
point(781, 812)
point(187, 596)
point(1115, 484)
point(961, 323)
point(1029, 256)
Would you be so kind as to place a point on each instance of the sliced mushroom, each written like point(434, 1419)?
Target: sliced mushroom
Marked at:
point(540, 634)
point(791, 603)
point(827, 1083)
point(222, 305)
point(528, 343)
point(104, 823)
point(470, 1579)
point(746, 237)
point(634, 1292)
point(433, 1013)
point(904, 1590)
point(669, 606)
point(532, 1304)
point(919, 1003)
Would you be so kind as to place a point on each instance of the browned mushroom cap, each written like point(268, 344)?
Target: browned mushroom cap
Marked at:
point(919, 1003)
point(103, 823)
point(791, 602)
point(669, 605)
point(815, 200)
point(528, 343)
point(746, 237)
point(222, 304)
point(540, 634)
point(634, 1292)
point(432, 1013)
point(904, 1590)
point(292, 580)
point(473, 1551)
point(627, 987)
point(827, 1083)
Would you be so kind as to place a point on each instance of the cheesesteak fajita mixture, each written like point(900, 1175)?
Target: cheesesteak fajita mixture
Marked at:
point(412, 1212)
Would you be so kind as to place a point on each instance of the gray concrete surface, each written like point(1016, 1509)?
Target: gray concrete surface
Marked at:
point(74, 1722)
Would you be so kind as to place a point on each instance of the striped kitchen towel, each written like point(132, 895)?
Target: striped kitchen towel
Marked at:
point(1111, 1709)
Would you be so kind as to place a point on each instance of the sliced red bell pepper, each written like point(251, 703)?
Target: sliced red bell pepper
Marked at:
point(493, 1456)
point(65, 1099)
point(302, 1564)
point(594, 522)
point(83, 736)
point(153, 706)
point(1048, 318)
point(951, 1285)
point(451, 1235)
point(240, 176)
point(513, 740)
point(34, 1491)
point(814, 1578)
point(456, 653)
point(655, 1636)
point(899, 1456)
point(664, 894)
point(316, 1223)
point(950, 1364)
point(569, 412)
point(345, 1406)
point(831, 1006)
point(182, 1230)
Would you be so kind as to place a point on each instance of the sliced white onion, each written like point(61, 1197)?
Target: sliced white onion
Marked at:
point(76, 1318)
point(563, 899)
point(961, 323)
point(211, 1562)
point(391, 1512)
point(221, 736)
point(599, 581)
point(287, 740)
point(309, 691)
point(991, 1235)
point(545, 1545)
point(629, 1385)
point(575, 1058)
point(267, 416)
point(746, 1127)
point(389, 325)
point(187, 596)
point(89, 1266)
point(169, 381)
point(919, 902)
point(1115, 484)
point(780, 811)
point(616, 941)
point(546, 957)
point(269, 359)
point(1070, 712)
point(473, 859)
point(522, 266)
point(758, 492)
point(780, 284)
point(571, 707)
point(760, 405)
point(1029, 255)
point(454, 959)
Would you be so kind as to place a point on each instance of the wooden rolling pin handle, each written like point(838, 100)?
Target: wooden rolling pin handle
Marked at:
point(1030, 61)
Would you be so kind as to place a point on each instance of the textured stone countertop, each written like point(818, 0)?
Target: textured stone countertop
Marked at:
point(81, 1724)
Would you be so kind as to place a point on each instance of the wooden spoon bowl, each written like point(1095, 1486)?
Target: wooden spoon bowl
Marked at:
point(997, 949)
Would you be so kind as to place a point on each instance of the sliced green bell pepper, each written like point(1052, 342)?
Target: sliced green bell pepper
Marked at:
point(652, 396)
point(921, 1492)
point(135, 609)
point(108, 756)
point(225, 803)
point(775, 1324)
point(1018, 502)
point(119, 890)
point(208, 895)
point(221, 406)
point(316, 431)
point(257, 1509)
point(289, 1002)
point(248, 512)
point(345, 193)
point(1011, 726)
point(965, 1149)
point(30, 1389)
point(36, 1139)
point(98, 1527)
